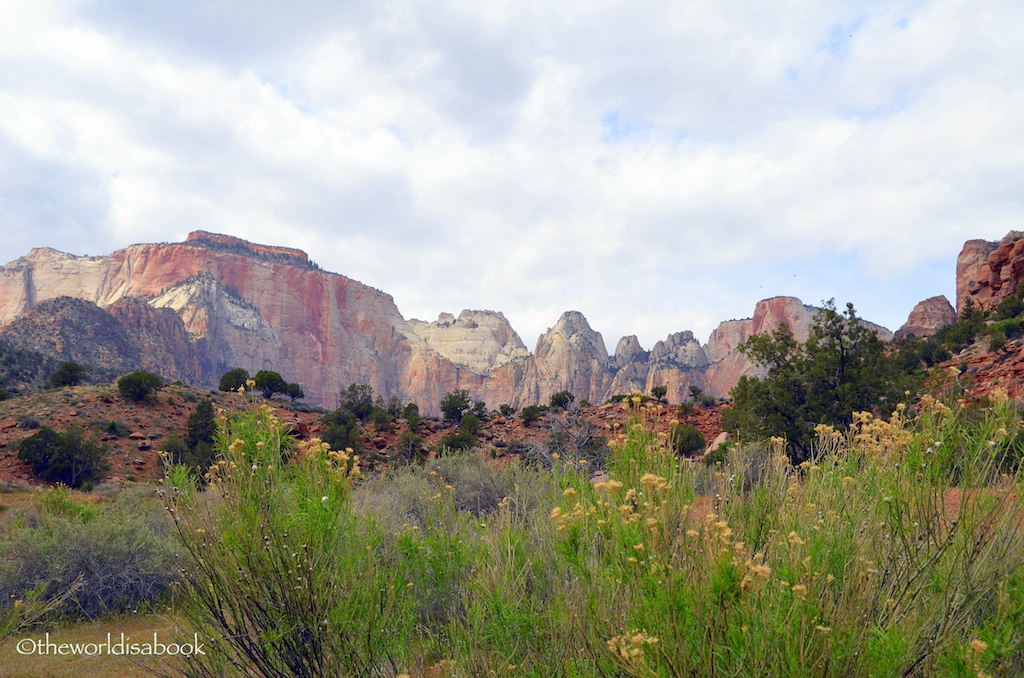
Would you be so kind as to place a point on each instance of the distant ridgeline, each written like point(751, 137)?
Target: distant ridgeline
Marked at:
point(233, 245)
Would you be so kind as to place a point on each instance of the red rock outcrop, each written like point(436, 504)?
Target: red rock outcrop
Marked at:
point(989, 272)
point(928, 317)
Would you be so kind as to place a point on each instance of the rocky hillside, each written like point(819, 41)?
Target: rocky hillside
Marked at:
point(194, 310)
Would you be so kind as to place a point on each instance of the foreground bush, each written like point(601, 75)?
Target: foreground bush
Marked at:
point(285, 579)
point(896, 549)
point(116, 557)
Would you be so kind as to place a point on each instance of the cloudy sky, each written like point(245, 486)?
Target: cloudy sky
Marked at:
point(658, 166)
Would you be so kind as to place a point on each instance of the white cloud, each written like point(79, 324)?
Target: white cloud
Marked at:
point(658, 166)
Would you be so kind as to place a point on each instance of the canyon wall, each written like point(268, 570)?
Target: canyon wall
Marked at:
point(197, 309)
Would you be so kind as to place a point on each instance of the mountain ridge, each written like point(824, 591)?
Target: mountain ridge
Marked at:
point(241, 304)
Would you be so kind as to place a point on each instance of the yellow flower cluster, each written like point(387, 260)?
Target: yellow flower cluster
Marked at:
point(878, 436)
point(630, 645)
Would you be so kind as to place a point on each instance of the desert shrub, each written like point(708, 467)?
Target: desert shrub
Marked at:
point(116, 428)
point(380, 419)
point(4, 394)
point(470, 423)
point(532, 413)
point(232, 380)
point(357, 399)
point(294, 391)
point(138, 385)
point(122, 552)
point(1011, 307)
point(506, 410)
point(658, 393)
point(67, 457)
point(686, 410)
point(480, 410)
point(270, 382)
point(68, 374)
point(454, 404)
point(343, 431)
point(410, 447)
point(411, 411)
point(319, 593)
point(458, 440)
point(28, 422)
point(562, 400)
point(687, 439)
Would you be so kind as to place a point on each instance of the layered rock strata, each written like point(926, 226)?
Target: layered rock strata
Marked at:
point(196, 309)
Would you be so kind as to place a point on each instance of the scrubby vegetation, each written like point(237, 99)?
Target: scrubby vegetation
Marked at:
point(895, 549)
point(87, 560)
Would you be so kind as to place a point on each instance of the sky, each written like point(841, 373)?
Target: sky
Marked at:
point(658, 166)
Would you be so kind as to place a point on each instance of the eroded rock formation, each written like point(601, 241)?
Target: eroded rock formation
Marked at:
point(928, 317)
point(988, 272)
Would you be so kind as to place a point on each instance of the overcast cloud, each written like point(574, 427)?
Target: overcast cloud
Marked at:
point(657, 166)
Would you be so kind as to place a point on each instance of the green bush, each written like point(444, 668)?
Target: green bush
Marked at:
point(67, 458)
point(233, 380)
point(311, 587)
point(117, 428)
point(4, 394)
point(532, 413)
point(138, 385)
point(658, 392)
point(294, 391)
point(506, 410)
point(342, 430)
point(271, 383)
point(562, 400)
point(380, 419)
point(68, 374)
point(687, 439)
point(459, 440)
point(454, 404)
point(123, 552)
point(357, 399)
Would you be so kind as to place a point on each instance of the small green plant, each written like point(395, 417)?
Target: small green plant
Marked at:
point(117, 428)
point(658, 392)
point(532, 413)
point(232, 380)
point(562, 400)
point(68, 374)
point(687, 439)
point(506, 410)
point(138, 385)
point(454, 404)
point(68, 457)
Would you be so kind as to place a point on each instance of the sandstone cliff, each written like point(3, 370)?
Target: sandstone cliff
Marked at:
point(988, 272)
point(196, 309)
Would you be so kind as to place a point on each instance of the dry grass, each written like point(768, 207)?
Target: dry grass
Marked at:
point(15, 665)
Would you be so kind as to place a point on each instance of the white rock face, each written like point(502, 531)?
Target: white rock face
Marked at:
point(234, 331)
point(679, 350)
point(481, 341)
